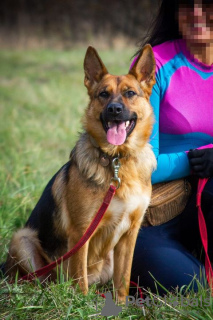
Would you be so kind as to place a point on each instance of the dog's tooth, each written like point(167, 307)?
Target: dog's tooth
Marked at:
point(109, 124)
point(127, 123)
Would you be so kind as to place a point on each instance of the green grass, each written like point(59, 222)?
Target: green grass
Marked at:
point(42, 99)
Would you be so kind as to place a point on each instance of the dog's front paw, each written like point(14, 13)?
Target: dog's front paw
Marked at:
point(121, 296)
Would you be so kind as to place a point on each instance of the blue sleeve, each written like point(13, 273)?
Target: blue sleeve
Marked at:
point(170, 166)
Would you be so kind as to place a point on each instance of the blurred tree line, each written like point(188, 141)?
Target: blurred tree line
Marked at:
point(71, 21)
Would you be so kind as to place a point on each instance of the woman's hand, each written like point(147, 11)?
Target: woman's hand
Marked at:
point(201, 162)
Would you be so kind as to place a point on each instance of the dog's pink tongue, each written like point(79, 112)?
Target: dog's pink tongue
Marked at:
point(116, 134)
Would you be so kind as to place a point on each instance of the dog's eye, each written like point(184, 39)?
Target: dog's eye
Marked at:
point(130, 93)
point(104, 94)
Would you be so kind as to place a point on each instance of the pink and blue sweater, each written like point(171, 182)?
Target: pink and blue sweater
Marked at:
point(182, 99)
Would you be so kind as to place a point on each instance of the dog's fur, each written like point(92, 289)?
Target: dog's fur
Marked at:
point(74, 194)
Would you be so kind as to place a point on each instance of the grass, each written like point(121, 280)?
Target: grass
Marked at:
point(42, 98)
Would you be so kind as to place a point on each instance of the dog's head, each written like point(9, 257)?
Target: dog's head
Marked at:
point(119, 116)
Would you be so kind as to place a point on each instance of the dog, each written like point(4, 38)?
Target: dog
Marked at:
point(117, 125)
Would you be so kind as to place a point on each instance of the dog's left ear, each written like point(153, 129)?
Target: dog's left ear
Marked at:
point(144, 68)
point(93, 67)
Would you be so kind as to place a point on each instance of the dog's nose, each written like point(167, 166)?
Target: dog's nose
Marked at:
point(115, 108)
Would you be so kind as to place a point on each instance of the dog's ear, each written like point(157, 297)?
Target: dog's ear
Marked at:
point(93, 67)
point(144, 68)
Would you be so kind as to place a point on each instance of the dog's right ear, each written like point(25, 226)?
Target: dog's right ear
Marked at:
point(93, 67)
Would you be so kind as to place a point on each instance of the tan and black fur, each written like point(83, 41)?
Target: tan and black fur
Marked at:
point(75, 193)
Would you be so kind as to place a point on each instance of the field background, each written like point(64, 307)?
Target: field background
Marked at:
point(67, 23)
point(42, 99)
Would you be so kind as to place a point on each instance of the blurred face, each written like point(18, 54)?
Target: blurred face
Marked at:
point(195, 20)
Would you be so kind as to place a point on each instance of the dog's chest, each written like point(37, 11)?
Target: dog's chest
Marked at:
point(122, 215)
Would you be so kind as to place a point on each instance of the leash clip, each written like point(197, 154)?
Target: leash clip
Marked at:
point(116, 166)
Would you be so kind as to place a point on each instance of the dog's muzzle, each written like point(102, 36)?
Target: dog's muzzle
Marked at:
point(118, 122)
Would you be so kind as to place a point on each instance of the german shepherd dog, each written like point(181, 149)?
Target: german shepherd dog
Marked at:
point(117, 124)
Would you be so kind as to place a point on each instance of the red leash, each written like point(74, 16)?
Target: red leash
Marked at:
point(134, 284)
point(203, 232)
point(93, 225)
